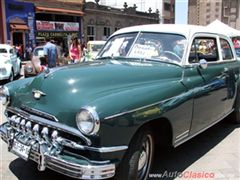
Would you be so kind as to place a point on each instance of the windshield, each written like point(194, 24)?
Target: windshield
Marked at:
point(38, 52)
point(157, 46)
point(3, 50)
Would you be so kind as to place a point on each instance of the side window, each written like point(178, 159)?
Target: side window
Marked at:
point(204, 48)
point(226, 50)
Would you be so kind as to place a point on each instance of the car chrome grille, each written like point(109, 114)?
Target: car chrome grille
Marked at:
point(27, 117)
point(39, 113)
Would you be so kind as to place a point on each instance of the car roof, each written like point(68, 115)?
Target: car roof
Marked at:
point(6, 46)
point(182, 29)
point(96, 42)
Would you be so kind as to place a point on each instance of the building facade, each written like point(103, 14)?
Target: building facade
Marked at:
point(29, 22)
point(59, 20)
point(18, 23)
point(166, 8)
point(2, 13)
point(168, 11)
point(101, 21)
point(203, 12)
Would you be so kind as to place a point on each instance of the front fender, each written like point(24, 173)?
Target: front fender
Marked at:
point(133, 108)
point(9, 68)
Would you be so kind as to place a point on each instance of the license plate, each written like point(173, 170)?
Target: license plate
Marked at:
point(20, 149)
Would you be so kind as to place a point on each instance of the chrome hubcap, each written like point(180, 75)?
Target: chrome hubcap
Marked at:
point(145, 158)
point(142, 160)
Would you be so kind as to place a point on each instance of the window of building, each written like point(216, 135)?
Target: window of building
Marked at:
point(217, 3)
point(226, 50)
point(116, 28)
point(90, 33)
point(167, 7)
point(106, 32)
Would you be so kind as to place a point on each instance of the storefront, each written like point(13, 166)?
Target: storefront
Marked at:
point(20, 18)
point(59, 32)
point(59, 22)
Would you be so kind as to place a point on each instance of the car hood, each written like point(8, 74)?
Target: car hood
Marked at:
point(69, 88)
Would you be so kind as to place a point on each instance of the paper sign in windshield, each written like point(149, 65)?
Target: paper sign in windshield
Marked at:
point(143, 51)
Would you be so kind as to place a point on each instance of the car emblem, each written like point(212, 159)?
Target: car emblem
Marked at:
point(37, 94)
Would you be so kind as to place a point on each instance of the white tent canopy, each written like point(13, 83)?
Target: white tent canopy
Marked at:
point(220, 27)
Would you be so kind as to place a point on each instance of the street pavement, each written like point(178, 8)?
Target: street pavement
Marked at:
point(215, 152)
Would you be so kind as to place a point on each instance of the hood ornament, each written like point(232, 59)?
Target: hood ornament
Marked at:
point(37, 94)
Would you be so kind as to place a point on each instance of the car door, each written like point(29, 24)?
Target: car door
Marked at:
point(209, 85)
point(232, 70)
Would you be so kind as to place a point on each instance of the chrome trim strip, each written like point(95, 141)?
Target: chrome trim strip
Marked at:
point(31, 110)
point(50, 124)
point(137, 109)
point(177, 143)
point(74, 145)
point(182, 135)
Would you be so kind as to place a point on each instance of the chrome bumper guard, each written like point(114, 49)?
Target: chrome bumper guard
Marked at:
point(47, 152)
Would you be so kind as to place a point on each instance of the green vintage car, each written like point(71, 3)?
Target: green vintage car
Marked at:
point(150, 85)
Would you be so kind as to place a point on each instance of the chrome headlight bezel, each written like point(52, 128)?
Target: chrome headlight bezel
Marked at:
point(29, 69)
point(88, 115)
point(4, 95)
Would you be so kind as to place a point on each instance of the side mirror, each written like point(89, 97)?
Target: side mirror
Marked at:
point(203, 64)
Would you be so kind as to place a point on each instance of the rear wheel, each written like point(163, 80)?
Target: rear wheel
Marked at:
point(137, 161)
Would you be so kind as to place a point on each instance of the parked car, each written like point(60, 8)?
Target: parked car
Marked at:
point(34, 66)
point(10, 64)
point(93, 48)
point(149, 86)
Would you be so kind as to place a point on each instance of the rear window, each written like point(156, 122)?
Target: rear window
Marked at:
point(226, 50)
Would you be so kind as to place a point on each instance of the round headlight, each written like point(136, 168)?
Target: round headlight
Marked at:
point(4, 95)
point(29, 69)
point(88, 121)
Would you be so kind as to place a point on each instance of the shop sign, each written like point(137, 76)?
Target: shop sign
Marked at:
point(55, 34)
point(57, 26)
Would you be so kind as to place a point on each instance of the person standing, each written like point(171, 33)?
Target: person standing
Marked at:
point(75, 51)
point(50, 53)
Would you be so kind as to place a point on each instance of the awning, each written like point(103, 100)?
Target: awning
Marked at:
point(57, 10)
point(19, 27)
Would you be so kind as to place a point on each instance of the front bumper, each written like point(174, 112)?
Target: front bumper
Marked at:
point(48, 153)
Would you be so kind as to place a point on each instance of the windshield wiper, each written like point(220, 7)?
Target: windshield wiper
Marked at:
point(110, 57)
point(105, 57)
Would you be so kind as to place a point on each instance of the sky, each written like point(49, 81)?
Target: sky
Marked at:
point(181, 11)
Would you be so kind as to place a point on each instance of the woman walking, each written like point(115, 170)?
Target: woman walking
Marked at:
point(75, 51)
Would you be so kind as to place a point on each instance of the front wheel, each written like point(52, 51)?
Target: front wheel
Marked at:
point(137, 161)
